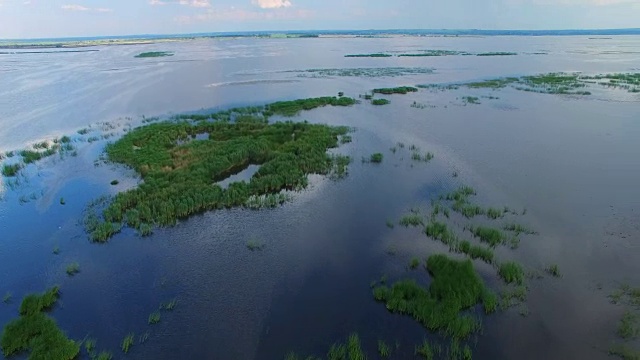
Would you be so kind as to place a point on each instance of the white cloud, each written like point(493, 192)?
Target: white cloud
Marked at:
point(272, 4)
point(74, 7)
point(192, 3)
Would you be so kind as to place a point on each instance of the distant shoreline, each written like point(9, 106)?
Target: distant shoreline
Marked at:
point(78, 42)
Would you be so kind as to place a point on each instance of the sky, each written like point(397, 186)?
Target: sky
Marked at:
point(65, 18)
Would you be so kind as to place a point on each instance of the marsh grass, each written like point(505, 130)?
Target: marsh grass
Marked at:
point(455, 287)
point(497, 53)
point(476, 251)
point(519, 229)
point(376, 55)
point(511, 272)
point(153, 54)
point(493, 213)
point(376, 158)
point(491, 236)
point(37, 333)
point(169, 305)
point(629, 326)
point(104, 355)
point(383, 349)
point(426, 351)
point(390, 224)
point(396, 90)
point(412, 219)
point(345, 139)
point(513, 296)
point(11, 170)
point(179, 179)
point(553, 270)
point(144, 338)
point(414, 263)
point(471, 100)
point(7, 297)
point(624, 351)
point(90, 345)
point(127, 342)
point(154, 318)
point(73, 269)
point(379, 102)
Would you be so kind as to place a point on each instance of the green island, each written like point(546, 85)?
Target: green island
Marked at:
point(497, 53)
point(153, 54)
point(396, 90)
point(380, 102)
point(36, 332)
point(180, 173)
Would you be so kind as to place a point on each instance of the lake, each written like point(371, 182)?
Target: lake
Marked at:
point(571, 161)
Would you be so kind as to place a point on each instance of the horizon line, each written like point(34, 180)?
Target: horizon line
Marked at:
point(435, 31)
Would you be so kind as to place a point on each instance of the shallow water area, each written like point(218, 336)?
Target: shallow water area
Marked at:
point(570, 161)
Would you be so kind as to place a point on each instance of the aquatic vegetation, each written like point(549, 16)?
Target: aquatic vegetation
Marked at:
point(62, 201)
point(255, 245)
point(390, 224)
point(513, 296)
point(492, 84)
point(624, 351)
point(7, 297)
point(493, 213)
point(414, 263)
point(379, 102)
point(154, 318)
point(10, 170)
point(411, 220)
point(104, 355)
point(169, 305)
point(396, 90)
point(491, 236)
point(30, 156)
point(383, 349)
point(376, 158)
point(416, 156)
point(73, 269)
point(426, 351)
point(497, 53)
point(115, 182)
point(36, 332)
point(352, 350)
point(127, 342)
point(154, 54)
point(435, 53)
point(363, 72)
point(519, 229)
point(455, 287)
point(511, 272)
point(553, 270)
point(83, 131)
point(476, 251)
point(471, 100)
point(345, 139)
point(440, 231)
point(369, 55)
point(179, 178)
point(629, 326)
point(90, 345)
point(143, 338)
point(293, 107)
point(626, 294)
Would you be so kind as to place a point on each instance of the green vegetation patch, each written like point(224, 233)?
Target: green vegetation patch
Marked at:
point(396, 90)
point(36, 332)
point(180, 173)
point(471, 100)
point(376, 158)
point(511, 272)
point(455, 287)
point(11, 170)
point(380, 102)
point(363, 72)
point(492, 84)
point(352, 350)
point(376, 55)
point(491, 236)
point(293, 107)
point(497, 53)
point(435, 53)
point(153, 54)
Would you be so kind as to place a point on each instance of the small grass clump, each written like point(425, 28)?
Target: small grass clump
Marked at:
point(379, 102)
point(414, 263)
point(455, 287)
point(7, 297)
point(383, 349)
point(152, 54)
point(494, 214)
point(115, 182)
point(629, 326)
point(623, 351)
point(169, 305)
point(440, 231)
point(553, 270)
point(11, 170)
point(73, 269)
point(396, 90)
point(411, 220)
point(154, 318)
point(511, 272)
point(36, 332)
point(104, 355)
point(471, 100)
point(519, 229)
point(390, 224)
point(345, 139)
point(56, 250)
point(376, 158)
point(62, 201)
point(255, 245)
point(127, 342)
point(476, 252)
point(492, 84)
point(425, 350)
point(491, 236)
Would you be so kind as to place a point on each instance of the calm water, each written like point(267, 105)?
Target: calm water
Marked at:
point(572, 163)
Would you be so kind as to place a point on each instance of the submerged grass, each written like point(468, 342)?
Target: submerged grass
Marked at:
point(180, 178)
point(152, 54)
point(127, 342)
point(154, 318)
point(455, 287)
point(73, 269)
point(36, 332)
point(412, 219)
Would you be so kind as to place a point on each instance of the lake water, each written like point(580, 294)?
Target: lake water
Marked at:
point(572, 162)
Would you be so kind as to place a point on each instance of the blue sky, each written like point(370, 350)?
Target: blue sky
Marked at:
point(57, 18)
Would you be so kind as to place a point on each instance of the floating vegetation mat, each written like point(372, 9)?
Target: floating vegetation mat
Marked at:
point(363, 72)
